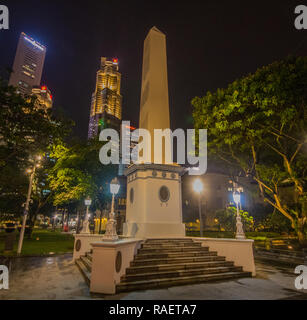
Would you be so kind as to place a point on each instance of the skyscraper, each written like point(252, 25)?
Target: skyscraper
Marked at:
point(28, 64)
point(106, 105)
point(44, 97)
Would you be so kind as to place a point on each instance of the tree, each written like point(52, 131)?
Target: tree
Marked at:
point(25, 131)
point(275, 222)
point(258, 125)
point(227, 219)
point(78, 173)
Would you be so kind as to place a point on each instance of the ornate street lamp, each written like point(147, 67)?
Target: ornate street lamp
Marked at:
point(111, 233)
point(85, 227)
point(239, 226)
point(198, 187)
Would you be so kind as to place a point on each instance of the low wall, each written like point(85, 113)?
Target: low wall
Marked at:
point(109, 263)
point(240, 251)
point(83, 243)
point(283, 256)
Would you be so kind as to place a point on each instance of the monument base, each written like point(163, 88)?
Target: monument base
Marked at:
point(152, 230)
point(154, 206)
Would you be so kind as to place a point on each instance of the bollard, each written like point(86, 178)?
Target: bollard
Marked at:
point(9, 242)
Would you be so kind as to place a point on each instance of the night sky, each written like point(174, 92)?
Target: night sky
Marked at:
point(209, 44)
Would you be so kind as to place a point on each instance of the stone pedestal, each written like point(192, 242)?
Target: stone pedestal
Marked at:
point(240, 251)
point(83, 243)
point(154, 206)
point(110, 260)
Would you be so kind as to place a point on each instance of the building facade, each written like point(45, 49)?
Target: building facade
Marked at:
point(106, 103)
point(44, 97)
point(28, 64)
point(217, 195)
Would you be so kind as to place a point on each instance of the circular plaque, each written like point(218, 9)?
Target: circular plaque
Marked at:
point(118, 261)
point(78, 245)
point(164, 194)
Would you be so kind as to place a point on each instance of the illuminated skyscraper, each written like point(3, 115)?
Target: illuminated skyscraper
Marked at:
point(106, 105)
point(28, 64)
point(44, 97)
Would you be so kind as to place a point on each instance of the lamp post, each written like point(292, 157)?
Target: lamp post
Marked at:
point(111, 233)
point(198, 187)
point(85, 227)
point(26, 209)
point(239, 226)
point(54, 221)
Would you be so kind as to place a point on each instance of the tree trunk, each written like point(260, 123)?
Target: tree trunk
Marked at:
point(301, 232)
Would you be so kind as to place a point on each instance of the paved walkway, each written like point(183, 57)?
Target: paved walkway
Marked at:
point(59, 278)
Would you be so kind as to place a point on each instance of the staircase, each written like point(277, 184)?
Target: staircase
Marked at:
point(162, 263)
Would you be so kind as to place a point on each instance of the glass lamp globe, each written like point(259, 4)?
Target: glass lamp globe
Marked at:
point(114, 186)
point(198, 186)
point(88, 202)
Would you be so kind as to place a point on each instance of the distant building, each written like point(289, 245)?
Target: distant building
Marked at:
point(44, 97)
point(28, 64)
point(106, 104)
point(125, 159)
point(217, 195)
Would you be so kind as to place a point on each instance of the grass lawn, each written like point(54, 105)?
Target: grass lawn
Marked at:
point(42, 242)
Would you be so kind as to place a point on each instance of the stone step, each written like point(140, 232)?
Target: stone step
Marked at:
point(175, 260)
point(171, 245)
point(177, 266)
point(177, 273)
point(156, 255)
point(171, 249)
point(84, 271)
point(168, 282)
point(87, 262)
point(155, 240)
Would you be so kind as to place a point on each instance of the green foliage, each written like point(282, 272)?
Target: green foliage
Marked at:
point(275, 222)
point(78, 173)
point(258, 124)
point(227, 219)
point(25, 132)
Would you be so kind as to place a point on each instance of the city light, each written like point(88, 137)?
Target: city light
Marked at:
point(34, 43)
point(114, 186)
point(87, 201)
point(198, 186)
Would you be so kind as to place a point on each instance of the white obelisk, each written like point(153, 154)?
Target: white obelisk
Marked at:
point(154, 205)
